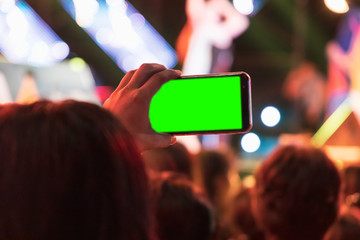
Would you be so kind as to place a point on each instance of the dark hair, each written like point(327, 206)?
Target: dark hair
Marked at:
point(242, 220)
point(346, 227)
point(296, 193)
point(181, 209)
point(209, 165)
point(351, 180)
point(69, 170)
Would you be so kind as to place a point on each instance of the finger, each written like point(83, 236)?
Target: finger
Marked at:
point(164, 140)
point(157, 80)
point(144, 73)
point(125, 80)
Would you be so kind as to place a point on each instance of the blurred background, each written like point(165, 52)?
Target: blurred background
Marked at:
point(303, 57)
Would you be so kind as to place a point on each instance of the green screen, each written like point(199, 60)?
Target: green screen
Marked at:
point(197, 104)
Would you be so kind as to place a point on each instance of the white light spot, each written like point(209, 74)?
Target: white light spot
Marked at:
point(270, 116)
point(85, 12)
point(21, 49)
point(104, 35)
point(39, 53)
point(60, 50)
point(6, 5)
point(245, 7)
point(116, 3)
point(128, 63)
point(138, 21)
point(250, 142)
point(338, 6)
point(17, 23)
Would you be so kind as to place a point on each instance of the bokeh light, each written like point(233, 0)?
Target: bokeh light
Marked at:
point(338, 6)
point(26, 38)
point(245, 7)
point(270, 116)
point(249, 181)
point(250, 142)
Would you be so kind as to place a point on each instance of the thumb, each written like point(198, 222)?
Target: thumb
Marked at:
point(158, 140)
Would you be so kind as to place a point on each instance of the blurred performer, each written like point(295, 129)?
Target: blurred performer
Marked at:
point(305, 87)
point(344, 61)
point(205, 43)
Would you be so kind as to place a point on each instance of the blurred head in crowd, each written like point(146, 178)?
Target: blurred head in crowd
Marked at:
point(175, 158)
point(241, 220)
point(69, 170)
point(351, 185)
point(347, 227)
point(296, 194)
point(211, 170)
point(181, 209)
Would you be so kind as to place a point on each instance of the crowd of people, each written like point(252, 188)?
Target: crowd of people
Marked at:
point(75, 170)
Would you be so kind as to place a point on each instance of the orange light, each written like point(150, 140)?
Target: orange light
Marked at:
point(347, 154)
point(249, 181)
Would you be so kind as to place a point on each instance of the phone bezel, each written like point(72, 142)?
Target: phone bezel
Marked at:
point(246, 105)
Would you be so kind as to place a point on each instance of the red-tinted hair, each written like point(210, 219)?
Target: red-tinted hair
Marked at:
point(296, 193)
point(69, 170)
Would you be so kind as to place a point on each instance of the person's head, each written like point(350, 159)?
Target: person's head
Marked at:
point(69, 170)
point(347, 227)
point(351, 181)
point(241, 218)
point(175, 158)
point(181, 209)
point(211, 170)
point(296, 193)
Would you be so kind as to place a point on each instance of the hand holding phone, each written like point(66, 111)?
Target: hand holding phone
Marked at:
point(203, 104)
point(131, 99)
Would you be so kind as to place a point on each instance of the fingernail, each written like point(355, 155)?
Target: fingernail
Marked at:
point(178, 71)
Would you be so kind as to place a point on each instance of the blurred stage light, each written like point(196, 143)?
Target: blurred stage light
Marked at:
point(211, 141)
point(85, 11)
point(191, 142)
point(270, 116)
point(6, 5)
point(77, 64)
point(245, 7)
point(250, 142)
point(249, 181)
point(39, 52)
point(104, 36)
point(331, 124)
point(337, 6)
point(60, 50)
point(124, 34)
point(248, 7)
point(25, 38)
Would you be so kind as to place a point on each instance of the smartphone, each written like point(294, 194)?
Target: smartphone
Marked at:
point(203, 104)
